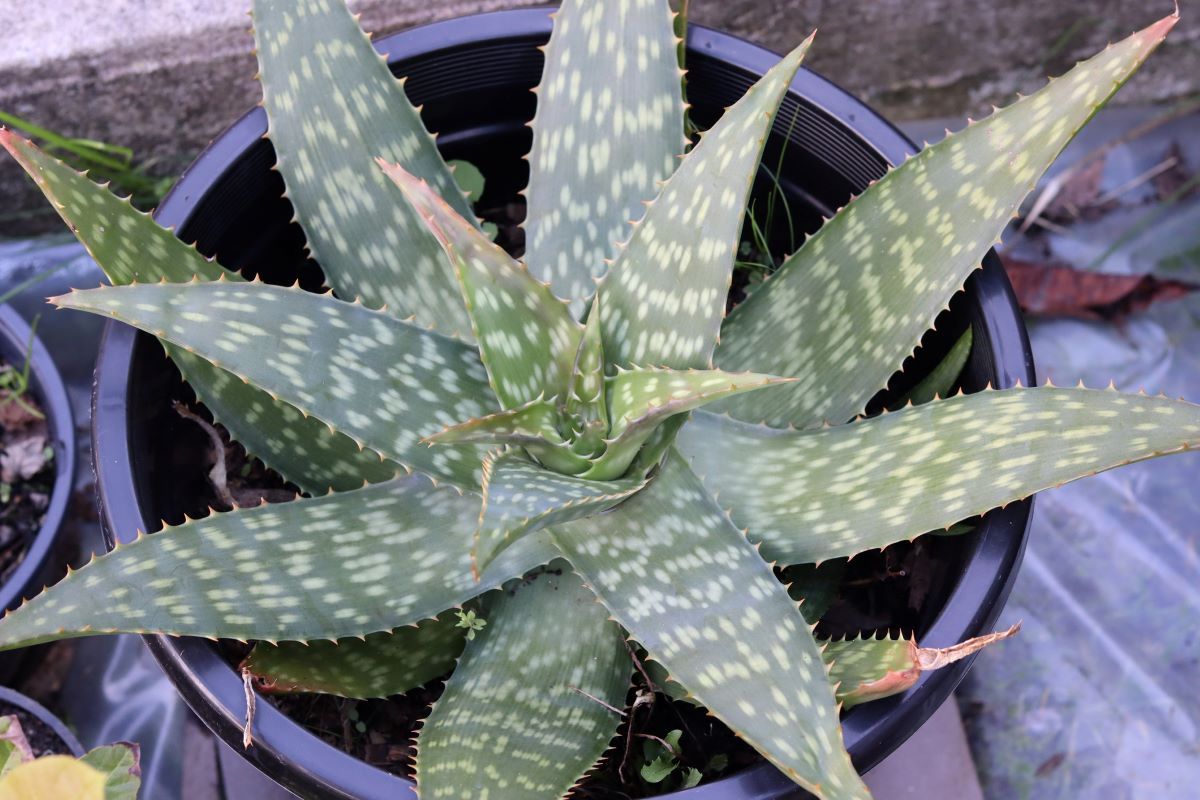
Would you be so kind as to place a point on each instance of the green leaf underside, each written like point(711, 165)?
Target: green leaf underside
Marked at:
point(687, 585)
point(334, 107)
point(941, 379)
point(812, 495)
point(641, 399)
point(130, 246)
point(815, 586)
point(121, 766)
point(321, 354)
point(527, 337)
point(663, 299)
point(587, 401)
point(513, 721)
point(347, 564)
point(380, 665)
point(608, 127)
point(521, 496)
point(890, 260)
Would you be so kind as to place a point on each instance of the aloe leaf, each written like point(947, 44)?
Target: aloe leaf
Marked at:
point(532, 427)
point(812, 495)
point(534, 422)
point(333, 108)
point(865, 669)
point(332, 567)
point(641, 399)
point(815, 586)
point(379, 665)
point(130, 246)
point(608, 127)
point(941, 379)
point(408, 382)
point(523, 715)
point(520, 496)
point(121, 766)
point(687, 585)
point(663, 299)
point(527, 337)
point(587, 403)
point(891, 259)
point(870, 669)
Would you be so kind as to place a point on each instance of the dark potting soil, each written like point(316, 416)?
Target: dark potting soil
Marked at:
point(26, 470)
point(42, 738)
point(879, 590)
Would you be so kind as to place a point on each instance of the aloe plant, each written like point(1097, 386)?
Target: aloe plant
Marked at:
point(536, 440)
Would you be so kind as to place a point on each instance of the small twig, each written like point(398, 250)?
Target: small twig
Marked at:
point(1138, 180)
point(642, 699)
point(251, 698)
point(216, 475)
point(595, 699)
point(661, 741)
point(638, 663)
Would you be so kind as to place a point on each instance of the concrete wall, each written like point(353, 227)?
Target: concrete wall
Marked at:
point(165, 76)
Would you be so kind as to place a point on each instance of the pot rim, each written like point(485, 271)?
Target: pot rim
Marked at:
point(36, 709)
point(298, 759)
point(47, 386)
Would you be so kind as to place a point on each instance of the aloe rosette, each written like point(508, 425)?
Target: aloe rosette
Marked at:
point(461, 419)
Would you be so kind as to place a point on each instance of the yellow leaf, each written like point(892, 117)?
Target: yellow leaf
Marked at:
point(53, 778)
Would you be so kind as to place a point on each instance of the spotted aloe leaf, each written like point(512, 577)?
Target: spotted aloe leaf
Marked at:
point(333, 108)
point(869, 669)
point(334, 352)
point(891, 259)
point(524, 714)
point(378, 665)
point(520, 496)
point(587, 404)
point(527, 337)
point(534, 422)
point(674, 572)
point(608, 127)
point(640, 399)
point(663, 299)
point(129, 246)
point(812, 495)
point(347, 564)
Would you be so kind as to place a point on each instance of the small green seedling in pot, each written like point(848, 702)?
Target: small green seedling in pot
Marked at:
point(583, 431)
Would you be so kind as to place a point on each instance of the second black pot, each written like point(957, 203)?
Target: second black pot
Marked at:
point(473, 76)
point(45, 558)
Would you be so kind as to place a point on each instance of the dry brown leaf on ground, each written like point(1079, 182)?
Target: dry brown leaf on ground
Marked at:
point(23, 458)
point(1060, 290)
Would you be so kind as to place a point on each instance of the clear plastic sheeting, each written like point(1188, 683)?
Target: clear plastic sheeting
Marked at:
point(1098, 695)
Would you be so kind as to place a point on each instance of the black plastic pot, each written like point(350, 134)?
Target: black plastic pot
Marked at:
point(473, 76)
point(30, 708)
point(45, 559)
